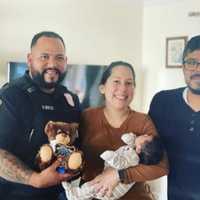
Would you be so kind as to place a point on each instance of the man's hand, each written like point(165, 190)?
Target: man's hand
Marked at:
point(49, 177)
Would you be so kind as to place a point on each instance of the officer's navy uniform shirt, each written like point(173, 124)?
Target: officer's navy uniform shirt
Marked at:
point(24, 112)
point(179, 127)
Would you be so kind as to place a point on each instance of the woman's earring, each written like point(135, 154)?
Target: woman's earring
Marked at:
point(101, 89)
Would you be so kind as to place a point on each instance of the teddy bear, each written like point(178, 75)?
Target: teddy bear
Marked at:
point(61, 136)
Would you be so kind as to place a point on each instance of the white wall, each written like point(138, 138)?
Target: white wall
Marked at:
point(161, 21)
point(95, 31)
point(169, 19)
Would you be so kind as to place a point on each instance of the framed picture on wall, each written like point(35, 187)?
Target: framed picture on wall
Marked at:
point(174, 51)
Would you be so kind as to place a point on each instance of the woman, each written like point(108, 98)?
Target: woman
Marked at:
point(102, 127)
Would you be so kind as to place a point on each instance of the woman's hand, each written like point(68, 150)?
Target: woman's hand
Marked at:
point(104, 183)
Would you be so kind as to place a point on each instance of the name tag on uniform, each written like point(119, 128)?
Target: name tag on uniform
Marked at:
point(47, 107)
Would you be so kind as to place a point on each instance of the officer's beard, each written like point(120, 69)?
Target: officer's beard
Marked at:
point(39, 80)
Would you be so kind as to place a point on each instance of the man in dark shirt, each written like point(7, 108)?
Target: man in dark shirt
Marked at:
point(176, 114)
point(26, 105)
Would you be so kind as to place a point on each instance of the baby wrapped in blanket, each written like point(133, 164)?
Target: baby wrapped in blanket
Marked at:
point(124, 157)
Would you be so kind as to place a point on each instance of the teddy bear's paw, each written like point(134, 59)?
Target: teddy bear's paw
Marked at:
point(46, 153)
point(75, 161)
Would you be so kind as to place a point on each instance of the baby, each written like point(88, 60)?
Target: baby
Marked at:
point(151, 153)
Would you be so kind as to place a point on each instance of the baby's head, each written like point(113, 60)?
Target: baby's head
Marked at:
point(151, 152)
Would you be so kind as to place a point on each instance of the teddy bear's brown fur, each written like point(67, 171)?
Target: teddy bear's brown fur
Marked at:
point(61, 136)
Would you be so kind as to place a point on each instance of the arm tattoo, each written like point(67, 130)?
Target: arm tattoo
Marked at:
point(12, 169)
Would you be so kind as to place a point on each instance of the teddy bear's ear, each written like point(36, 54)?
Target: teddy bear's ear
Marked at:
point(50, 130)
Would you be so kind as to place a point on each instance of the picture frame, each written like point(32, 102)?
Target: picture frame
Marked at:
point(174, 51)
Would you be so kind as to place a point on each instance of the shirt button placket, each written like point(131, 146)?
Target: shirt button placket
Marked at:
point(192, 123)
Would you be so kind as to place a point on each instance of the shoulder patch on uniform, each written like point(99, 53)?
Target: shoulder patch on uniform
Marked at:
point(31, 89)
point(69, 99)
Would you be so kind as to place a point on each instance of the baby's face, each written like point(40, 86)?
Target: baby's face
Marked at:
point(140, 141)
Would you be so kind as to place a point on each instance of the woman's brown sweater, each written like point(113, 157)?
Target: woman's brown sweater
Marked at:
point(98, 135)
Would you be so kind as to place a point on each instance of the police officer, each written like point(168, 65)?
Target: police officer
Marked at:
point(26, 105)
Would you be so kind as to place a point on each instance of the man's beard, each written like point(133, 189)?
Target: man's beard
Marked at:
point(196, 90)
point(39, 79)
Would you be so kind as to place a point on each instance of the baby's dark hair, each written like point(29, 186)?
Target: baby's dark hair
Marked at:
point(152, 152)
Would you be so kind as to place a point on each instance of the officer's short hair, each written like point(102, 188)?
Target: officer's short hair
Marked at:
point(192, 45)
point(49, 34)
